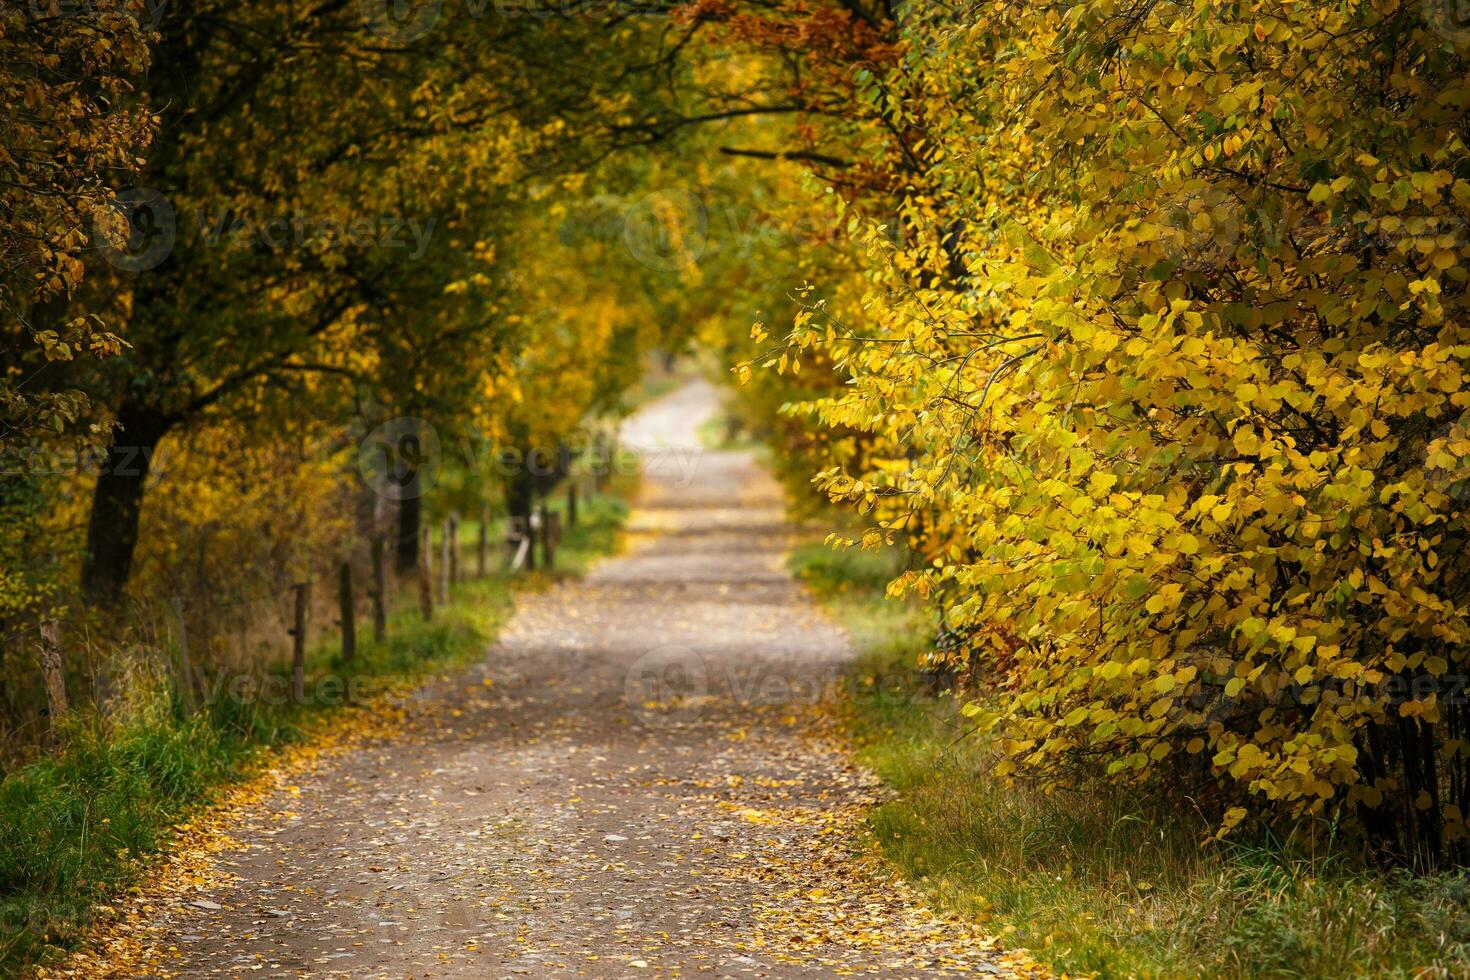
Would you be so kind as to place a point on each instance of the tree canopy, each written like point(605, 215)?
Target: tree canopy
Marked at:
point(1141, 327)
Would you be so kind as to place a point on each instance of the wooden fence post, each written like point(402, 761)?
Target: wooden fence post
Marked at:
point(453, 549)
point(348, 613)
point(550, 530)
point(379, 592)
point(484, 543)
point(571, 503)
point(612, 462)
point(52, 670)
point(185, 665)
point(603, 460)
point(426, 575)
point(298, 646)
point(444, 561)
point(532, 529)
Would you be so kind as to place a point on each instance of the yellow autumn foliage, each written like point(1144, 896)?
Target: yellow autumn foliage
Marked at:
point(1163, 366)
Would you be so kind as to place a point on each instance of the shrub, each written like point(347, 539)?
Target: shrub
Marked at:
point(1164, 371)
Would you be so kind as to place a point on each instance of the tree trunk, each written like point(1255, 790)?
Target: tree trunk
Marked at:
point(187, 694)
point(445, 560)
point(380, 592)
point(426, 577)
point(520, 494)
point(54, 673)
point(117, 501)
point(453, 550)
point(298, 647)
point(410, 513)
point(347, 612)
point(549, 535)
point(484, 542)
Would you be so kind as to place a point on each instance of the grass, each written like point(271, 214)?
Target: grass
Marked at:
point(716, 433)
point(77, 828)
point(598, 519)
point(659, 378)
point(1102, 883)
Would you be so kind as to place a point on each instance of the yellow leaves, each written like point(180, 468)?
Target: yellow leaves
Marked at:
point(1165, 599)
point(1232, 819)
point(896, 588)
point(1245, 441)
point(1413, 708)
point(1100, 484)
point(1226, 482)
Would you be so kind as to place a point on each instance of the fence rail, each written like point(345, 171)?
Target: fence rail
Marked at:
point(173, 630)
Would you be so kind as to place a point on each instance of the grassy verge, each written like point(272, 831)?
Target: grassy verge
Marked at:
point(598, 521)
point(78, 828)
point(716, 433)
point(1100, 883)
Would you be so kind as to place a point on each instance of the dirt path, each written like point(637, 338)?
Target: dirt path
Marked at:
point(636, 782)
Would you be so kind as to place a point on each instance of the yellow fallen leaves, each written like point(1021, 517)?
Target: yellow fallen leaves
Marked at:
point(824, 889)
point(126, 942)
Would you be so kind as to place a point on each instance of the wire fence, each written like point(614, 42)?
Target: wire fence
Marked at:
point(194, 647)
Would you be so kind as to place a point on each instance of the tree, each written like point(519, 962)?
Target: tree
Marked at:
point(259, 178)
point(69, 134)
point(1171, 358)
